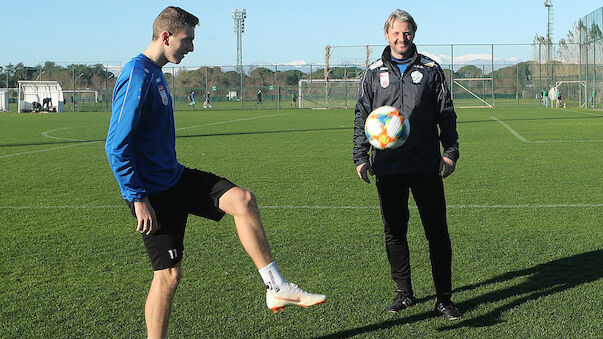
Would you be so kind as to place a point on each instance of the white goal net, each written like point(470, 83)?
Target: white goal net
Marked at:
point(472, 92)
point(320, 94)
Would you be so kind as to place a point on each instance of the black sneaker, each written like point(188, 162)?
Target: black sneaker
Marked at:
point(448, 310)
point(403, 300)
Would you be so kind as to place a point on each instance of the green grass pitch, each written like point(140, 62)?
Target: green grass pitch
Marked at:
point(525, 217)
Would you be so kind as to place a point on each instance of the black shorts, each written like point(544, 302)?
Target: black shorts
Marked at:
point(197, 193)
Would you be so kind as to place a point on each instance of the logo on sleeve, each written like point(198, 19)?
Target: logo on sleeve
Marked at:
point(416, 77)
point(162, 92)
point(384, 79)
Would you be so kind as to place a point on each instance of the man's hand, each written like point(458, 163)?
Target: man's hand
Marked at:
point(147, 220)
point(447, 166)
point(364, 170)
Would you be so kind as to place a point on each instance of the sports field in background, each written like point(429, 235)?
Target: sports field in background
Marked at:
point(525, 210)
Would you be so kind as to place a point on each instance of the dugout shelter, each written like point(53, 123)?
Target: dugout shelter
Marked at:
point(32, 95)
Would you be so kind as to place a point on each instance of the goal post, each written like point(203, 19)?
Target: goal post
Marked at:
point(466, 96)
point(39, 96)
point(572, 90)
point(321, 94)
point(3, 100)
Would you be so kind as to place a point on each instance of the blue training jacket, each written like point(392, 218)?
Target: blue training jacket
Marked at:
point(141, 142)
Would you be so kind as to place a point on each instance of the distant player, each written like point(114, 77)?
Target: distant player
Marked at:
point(206, 103)
point(191, 99)
point(293, 99)
point(74, 101)
point(259, 97)
point(46, 103)
point(161, 192)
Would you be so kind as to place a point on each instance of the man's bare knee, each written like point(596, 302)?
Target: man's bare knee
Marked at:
point(248, 203)
point(169, 278)
point(239, 202)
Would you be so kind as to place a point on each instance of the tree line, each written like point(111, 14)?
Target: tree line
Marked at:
point(98, 76)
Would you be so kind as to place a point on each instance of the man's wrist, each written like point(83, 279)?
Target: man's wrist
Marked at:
point(360, 162)
point(138, 199)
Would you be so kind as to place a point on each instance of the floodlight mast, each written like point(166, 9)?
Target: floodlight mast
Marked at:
point(239, 16)
point(549, 28)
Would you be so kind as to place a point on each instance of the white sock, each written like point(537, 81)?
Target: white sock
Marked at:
point(272, 277)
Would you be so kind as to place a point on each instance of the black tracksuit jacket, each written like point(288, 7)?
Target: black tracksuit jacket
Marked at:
point(422, 93)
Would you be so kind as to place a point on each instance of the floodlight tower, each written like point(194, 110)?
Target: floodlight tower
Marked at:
point(548, 4)
point(239, 16)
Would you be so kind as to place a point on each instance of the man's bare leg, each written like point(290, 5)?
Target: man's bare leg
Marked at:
point(159, 300)
point(242, 205)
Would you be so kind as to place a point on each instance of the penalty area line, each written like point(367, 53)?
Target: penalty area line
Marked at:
point(517, 135)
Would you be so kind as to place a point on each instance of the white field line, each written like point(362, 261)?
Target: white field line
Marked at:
point(306, 207)
point(563, 141)
point(449, 206)
point(236, 120)
point(47, 135)
point(571, 110)
point(518, 136)
point(46, 150)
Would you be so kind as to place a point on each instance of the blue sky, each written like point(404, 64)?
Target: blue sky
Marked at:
point(280, 32)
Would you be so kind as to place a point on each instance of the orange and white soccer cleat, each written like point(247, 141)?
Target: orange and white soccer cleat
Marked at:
point(291, 294)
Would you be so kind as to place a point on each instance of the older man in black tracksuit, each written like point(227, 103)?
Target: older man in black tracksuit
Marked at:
point(415, 84)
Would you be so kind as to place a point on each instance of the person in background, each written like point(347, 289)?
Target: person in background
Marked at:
point(259, 97)
point(206, 103)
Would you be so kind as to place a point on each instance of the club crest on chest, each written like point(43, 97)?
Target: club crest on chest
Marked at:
point(384, 79)
point(416, 77)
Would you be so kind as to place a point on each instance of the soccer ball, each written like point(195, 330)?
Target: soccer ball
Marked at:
point(386, 128)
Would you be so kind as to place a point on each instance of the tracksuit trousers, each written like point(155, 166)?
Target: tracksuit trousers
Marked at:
point(428, 193)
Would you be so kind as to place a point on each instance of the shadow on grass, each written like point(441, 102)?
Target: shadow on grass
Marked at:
point(267, 132)
point(542, 280)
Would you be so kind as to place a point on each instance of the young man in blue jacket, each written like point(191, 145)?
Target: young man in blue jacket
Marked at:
point(161, 192)
point(415, 84)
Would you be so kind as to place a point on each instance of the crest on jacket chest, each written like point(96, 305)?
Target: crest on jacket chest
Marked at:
point(416, 77)
point(384, 79)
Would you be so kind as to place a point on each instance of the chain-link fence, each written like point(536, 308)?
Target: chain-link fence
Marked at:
point(519, 75)
point(479, 75)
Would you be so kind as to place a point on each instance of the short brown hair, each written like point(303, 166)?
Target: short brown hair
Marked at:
point(402, 16)
point(173, 20)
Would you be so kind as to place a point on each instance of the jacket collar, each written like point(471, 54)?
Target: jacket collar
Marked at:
point(386, 56)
